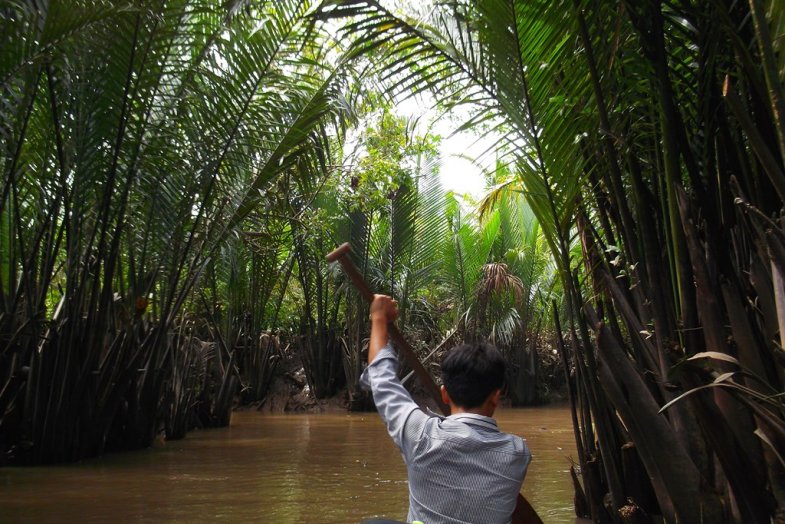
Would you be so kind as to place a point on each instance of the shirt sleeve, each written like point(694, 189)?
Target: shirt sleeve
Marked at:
point(399, 412)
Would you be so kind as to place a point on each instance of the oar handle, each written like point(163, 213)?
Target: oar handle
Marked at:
point(340, 255)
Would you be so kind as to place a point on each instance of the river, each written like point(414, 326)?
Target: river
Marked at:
point(323, 468)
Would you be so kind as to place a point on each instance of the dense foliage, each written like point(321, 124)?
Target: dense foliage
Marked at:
point(137, 141)
point(173, 173)
point(652, 135)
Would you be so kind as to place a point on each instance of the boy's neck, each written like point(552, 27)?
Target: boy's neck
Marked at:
point(484, 410)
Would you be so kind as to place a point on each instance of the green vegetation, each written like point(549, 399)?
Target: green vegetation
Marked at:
point(173, 174)
point(651, 135)
point(139, 144)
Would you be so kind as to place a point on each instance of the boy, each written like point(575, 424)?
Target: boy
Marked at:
point(461, 469)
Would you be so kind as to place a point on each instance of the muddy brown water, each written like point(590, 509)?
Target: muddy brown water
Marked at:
point(323, 468)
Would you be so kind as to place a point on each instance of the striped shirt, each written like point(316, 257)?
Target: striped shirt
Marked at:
point(461, 468)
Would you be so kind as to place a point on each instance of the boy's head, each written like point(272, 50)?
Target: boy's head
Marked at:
point(471, 372)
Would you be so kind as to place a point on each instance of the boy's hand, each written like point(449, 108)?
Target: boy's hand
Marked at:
point(383, 308)
point(383, 311)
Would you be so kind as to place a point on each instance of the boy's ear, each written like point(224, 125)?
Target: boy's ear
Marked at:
point(445, 395)
point(496, 397)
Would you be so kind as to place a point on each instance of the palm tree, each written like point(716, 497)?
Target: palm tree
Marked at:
point(135, 139)
point(520, 288)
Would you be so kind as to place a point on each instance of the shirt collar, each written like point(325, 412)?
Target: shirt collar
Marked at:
point(474, 419)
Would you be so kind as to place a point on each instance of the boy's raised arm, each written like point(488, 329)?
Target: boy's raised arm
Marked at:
point(393, 402)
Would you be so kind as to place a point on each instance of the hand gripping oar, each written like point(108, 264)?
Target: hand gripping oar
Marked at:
point(340, 255)
point(524, 512)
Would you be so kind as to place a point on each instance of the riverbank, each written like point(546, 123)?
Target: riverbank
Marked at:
point(289, 392)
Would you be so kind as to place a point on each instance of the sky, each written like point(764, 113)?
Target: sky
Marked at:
point(457, 174)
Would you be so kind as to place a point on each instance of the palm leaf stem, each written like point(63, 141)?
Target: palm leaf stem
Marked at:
point(615, 177)
point(772, 75)
point(10, 175)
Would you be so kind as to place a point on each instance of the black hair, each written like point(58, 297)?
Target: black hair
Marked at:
point(471, 372)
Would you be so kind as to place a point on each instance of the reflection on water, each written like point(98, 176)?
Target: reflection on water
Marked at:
point(331, 468)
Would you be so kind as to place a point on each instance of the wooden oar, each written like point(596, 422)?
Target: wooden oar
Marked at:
point(524, 512)
point(340, 256)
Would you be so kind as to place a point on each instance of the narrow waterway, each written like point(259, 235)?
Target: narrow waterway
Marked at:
point(327, 468)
